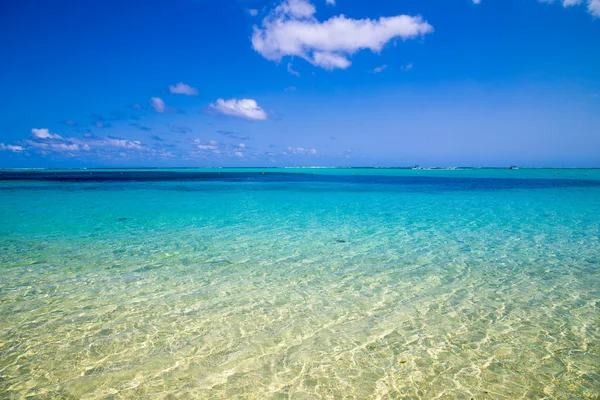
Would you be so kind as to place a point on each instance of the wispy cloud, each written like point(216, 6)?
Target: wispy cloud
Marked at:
point(46, 142)
point(100, 124)
point(220, 149)
point(10, 147)
point(44, 133)
point(211, 145)
point(252, 12)
point(291, 70)
point(565, 3)
point(181, 129)
point(300, 151)
point(120, 143)
point(243, 108)
point(182, 88)
point(141, 127)
point(379, 69)
point(292, 30)
point(233, 135)
point(158, 104)
point(64, 146)
point(593, 6)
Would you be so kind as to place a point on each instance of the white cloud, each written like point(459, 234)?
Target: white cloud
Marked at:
point(212, 145)
point(292, 30)
point(476, 1)
point(119, 143)
point(329, 60)
point(594, 7)
point(220, 149)
point(379, 69)
point(243, 108)
point(157, 104)
point(10, 147)
point(252, 12)
point(330, 2)
point(66, 147)
point(300, 151)
point(182, 88)
point(296, 8)
point(291, 70)
point(44, 133)
point(207, 147)
point(407, 67)
point(71, 144)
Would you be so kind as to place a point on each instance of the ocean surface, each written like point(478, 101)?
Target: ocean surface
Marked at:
point(300, 284)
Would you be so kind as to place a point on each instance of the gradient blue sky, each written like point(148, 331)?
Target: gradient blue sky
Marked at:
point(497, 83)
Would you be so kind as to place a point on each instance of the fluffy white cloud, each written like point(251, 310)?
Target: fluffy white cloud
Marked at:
point(158, 104)
point(476, 1)
point(44, 133)
point(243, 108)
point(10, 147)
point(292, 30)
point(295, 8)
point(182, 88)
point(252, 12)
point(330, 2)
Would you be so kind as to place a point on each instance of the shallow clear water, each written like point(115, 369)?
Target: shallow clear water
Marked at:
point(342, 283)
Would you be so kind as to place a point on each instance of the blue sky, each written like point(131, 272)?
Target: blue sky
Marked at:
point(297, 82)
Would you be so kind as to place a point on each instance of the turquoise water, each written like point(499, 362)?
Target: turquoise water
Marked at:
point(300, 283)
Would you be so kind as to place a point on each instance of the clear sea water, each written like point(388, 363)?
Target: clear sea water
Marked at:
point(300, 283)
